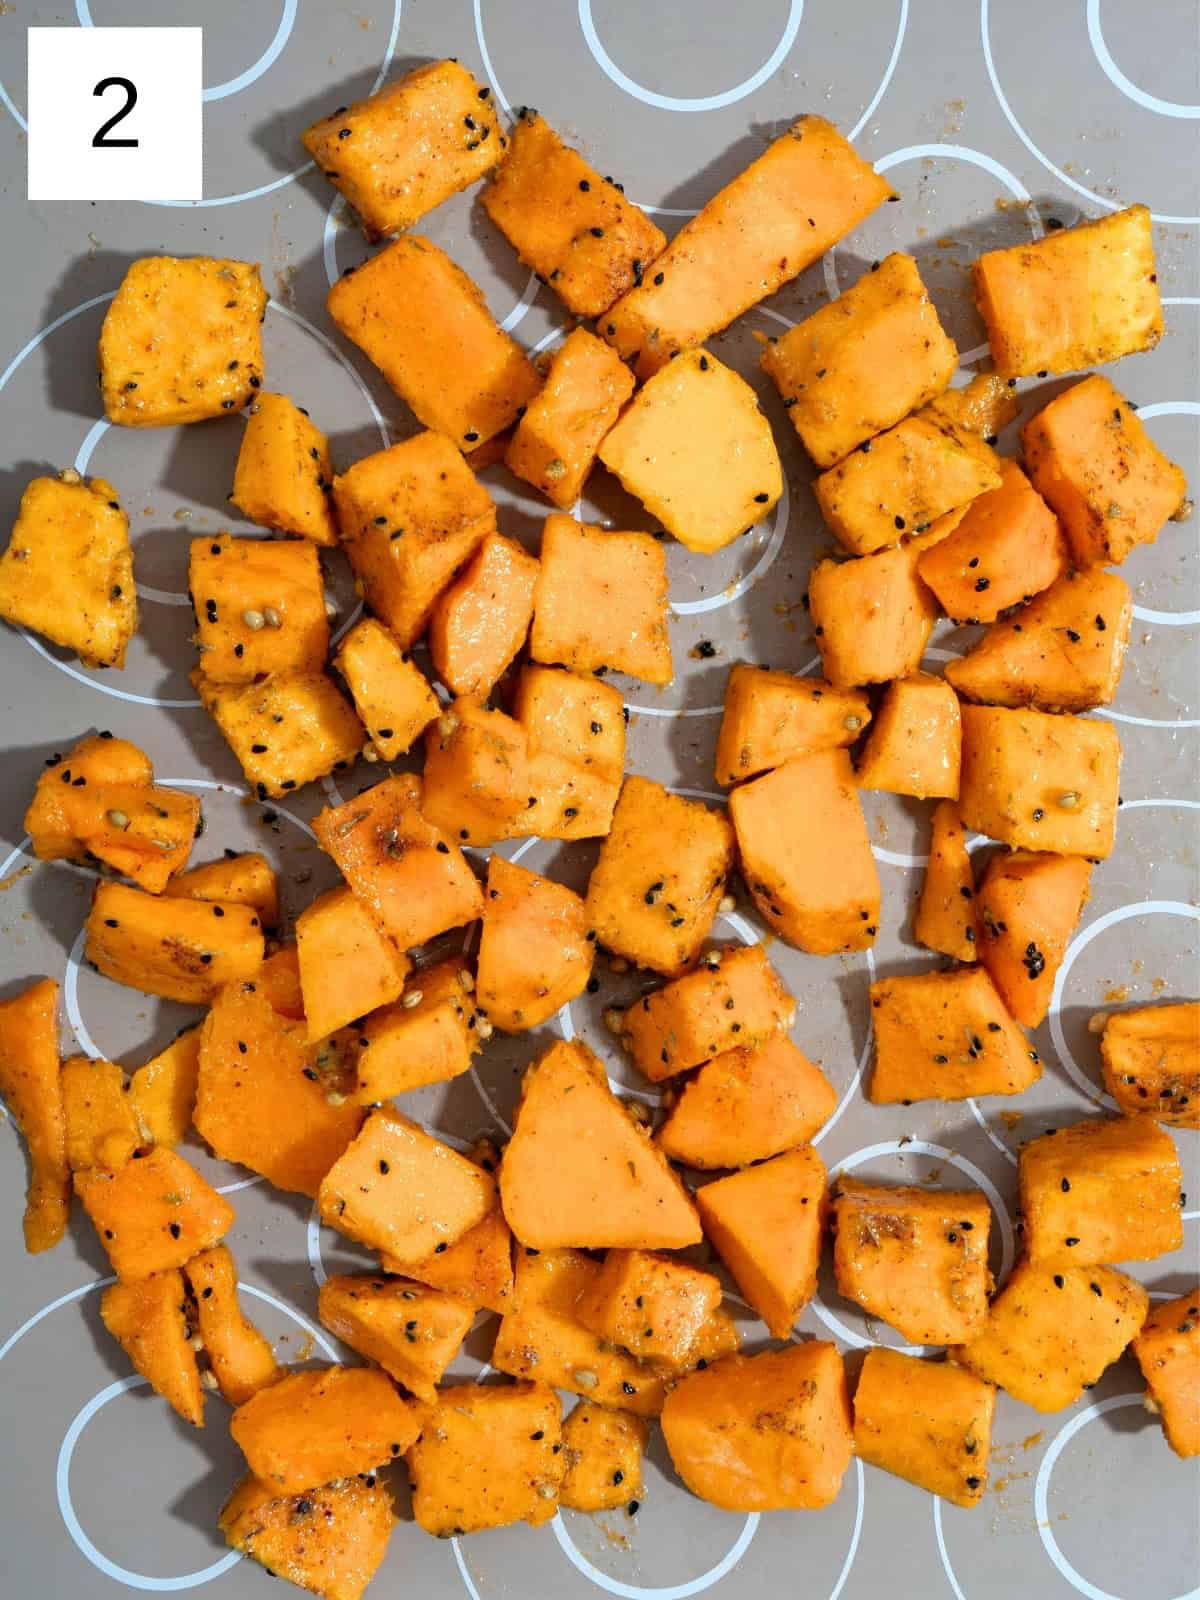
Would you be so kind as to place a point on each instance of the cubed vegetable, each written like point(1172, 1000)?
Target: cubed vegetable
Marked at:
point(149, 1321)
point(162, 1093)
point(603, 1452)
point(872, 618)
point(153, 1214)
point(391, 694)
point(239, 880)
point(984, 406)
point(347, 965)
point(1028, 906)
point(480, 622)
point(260, 607)
point(478, 1267)
point(555, 443)
point(476, 774)
point(925, 1421)
point(102, 1129)
point(1151, 1057)
point(179, 949)
point(575, 731)
point(915, 743)
point(945, 919)
point(288, 730)
point(284, 472)
point(651, 1305)
point(769, 717)
point(946, 1036)
point(329, 1540)
point(412, 1331)
point(241, 1358)
point(429, 1036)
point(534, 953)
point(279, 980)
point(1168, 1352)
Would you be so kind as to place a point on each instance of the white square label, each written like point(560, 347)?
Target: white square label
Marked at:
point(115, 114)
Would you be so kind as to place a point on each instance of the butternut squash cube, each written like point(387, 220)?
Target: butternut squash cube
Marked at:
point(945, 919)
point(769, 717)
point(102, 1129)
point(329, 1540)
point(655, 888)
point(284, 472)
point(555, 443)
point(403, 150)
point(1151, 1058)
point(534, 954)
point(174, 948)
point(181, 341)
point(915, 743)
point(68, 570)
point(872, 618)
point(862, 362)
point(347, 966)
point(428, 1037)
point(413, 1332)
point(476, 773)
point(238, 880)
point(575, 732)
point(478, 1267)
point(391, 695)
point(984, 406)
point(925, 1421)
point(260, 607)
point(1102, 1190)
point(1091, 458)
point(480, 622)
point(1168, 1352)
point(288, 730)
point(805, 854)
point(418, 317)
point(697, 452)
point(31, 1087)
point(651, 1305)
point(1028, 906)
point(162, 1092)
point(241, 1358)
point(153, 1214)
point(946, 1036)
point(149, 1321)
point(603, 1452)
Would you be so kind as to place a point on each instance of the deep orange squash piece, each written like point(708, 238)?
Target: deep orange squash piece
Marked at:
point(347, 966)
point(575, 738)
point(477, 1267)
point(1027, 907)
point(534, 954)
point(476, 780)
point(945, 918)
point(241, 1358)
point(603, 1452)
point(770, 717)
point(162, 1093)
point(391, 694)
point(239, 880)
point(154, 1214)
point(102, 1129)
point(260, 607)
point(915, 743)
point(330, 1540)
point(412, 1331)
point(554, 445)
point(32, 1090)
point(872, 618)
point(149, 1320)
point(480, 622)
point(1151, 1059)
point(287, 730)
point(1168, 1352)
point(652, 1305)
point(945, 1036)
point(926, 1421)
point(428, 1036)
point(284, 472)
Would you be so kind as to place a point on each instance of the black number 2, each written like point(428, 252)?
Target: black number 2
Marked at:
point(99, 139)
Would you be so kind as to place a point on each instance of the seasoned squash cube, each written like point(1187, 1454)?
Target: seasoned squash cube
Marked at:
point(770, 717)
point(260, 607)
point(426, 326)
point(806, 191)
point(863, 362)
point(1090, 457)
point(1078, 297)
point(945, 919)
point(603, 1452)
point(403, 150)
point(413, 1332)
point(925, 1421)
point(153, 1214)
point(102, 1130)
point(347, 965)
point(1151, 1057)
point(534, 953)
point(652, 1305)
point(946, 1036)
point(915, 743)
point(872, 618)
point(179, 949)
point(1039, 782)
point(330, 1540)
point(476, 773)
point(1168, 1352)
point(149, 1321)
point(984, 406)
point(478, 1267)
point(480, 622)
point(239, 880)
point(428, 1037)
point(181, 341)
point(697, 452)
point(1102, 1190)
point(391, 694)
point(279, 980)
point(805, 854)
point(239, 1355)
point(68, 570)
point(1028, 906)
point(288, 730)
point(31, 1087)
point(555, 443)
point(575, 731)
point(162, 1092)
point(656, 886)
point(284, 472)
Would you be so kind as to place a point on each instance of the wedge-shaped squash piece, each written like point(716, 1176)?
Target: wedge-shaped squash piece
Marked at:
point(601, 601)
point(541, 1334)
point(872, 618)
point(697, 452)
point(770, 717)
point(1168, 1352)
point(984, 406)
point(915, 1258)
point(655, 889)
point(945, 1036)
point(1090, 457)
point(284, 472)
point(574, 228)
point(412, 1331)
point(68, 570)
point(279, 980)
point(1062, 652)
point(925, 1421)
point(402, 151)
point(329, 1540)
point(391, 694)
point(288, 730)
point(1040, 782)
point(915, 743)
point(347, 966)
point(478, 1267)
point(429, 1036)
point(1028, 906)
point(181, 341)
point(102, 1130)
point(487, 1457)
point(1151, 1057)
point(770, 1432)
point(1102, 1190)
point(427, 327)
point(1078, 297)
point(945, 919)
point(652, 1305)
point(156, 1213)
point(747, 1105)
point(149, 1321)
point(575, 732)
point(1051, 1332)
point(162, 1093)
point(603, 1452)
point(476, 781)
point(175, 948)
point(263, 1096)
point(738, 1000)
point(399, 1190)
point(863, 362)
point(805, 854)
point(241, 1358)
point(554, 445)
point(805, 192)
point(416, 883)
point(260, 607)
point(616, 1192)
point(534, 954)
point(240, 880)
point(321, 1424)
point(480, 622)
point(31, 1087)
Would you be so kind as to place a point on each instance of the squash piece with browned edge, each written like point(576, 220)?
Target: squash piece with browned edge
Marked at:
point(603, 1453)
point(1062, 652)
point(260, 607)
point(476, 779)
point(651, 1305)
point(330, 1540)
point(925, 1421)
point(554, 445)
point(1039, 782)
point(68, 570)
point(1028, 906)
point(288, 730)
point(480, 622)
point(698, 453)
point(418, 317)
point(984, 406)
point(747, 1105)
point(872, 618)
point(1089, 455)
point(915, 743)
point(251, 1056)
point(477, 1267)
point(915, 1258)
point(805, 853)
point(241, 1358)
point(415, 883)
point(534, 954)
point(102, 1130)
point(945, 918)
point(616, 1192)
point(770, 1432)
point(1168, 1352)
point(1151, 1059)
point(412, 1331)
point(1051, 1332)
point(179, 949)
point(575, 736)
point(162, 1092)
point(31, 1087)
point(284, 472)
point(769, 717)
point(601, 601)
point(347, 965)
point(154, 1214)
point(428, 1036)
point(149, 1320)
point(945, 1036)
point(240, 880)
point(1103, 1190)
point(391, 694)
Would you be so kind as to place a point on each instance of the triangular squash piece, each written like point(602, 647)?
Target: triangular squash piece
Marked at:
point(149, 1321)
point(162, 1092)
point(32, 1090)
point(1028, 905)
point(412, 1331)
point(945, 918)
point(328, 1540)
point(478, 1267)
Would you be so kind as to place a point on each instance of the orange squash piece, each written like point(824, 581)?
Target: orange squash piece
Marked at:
point(915, 743)
point(260, 607)
point(284, 472)
point(534, 954)
point(1168, 1352)
point(241, 1358)
point(478, 1267)
point(329, 1540)
point(603, 1453)
point(476, 780)
point(239, 880)
point(945, 1036)
point(288, 730)
point(412, 1331)
point(279, 980)
point(651, 1305)
point(180, 949)
point(945, 919)
point(1151, 1059)
point(391, 695)
point(31, 1087)
point(984, 406)
point(925, 1421)
point(1028, 906)
point(872, 618)
point(102, 1129)
point(479, 623)
point(555, 443)
point(149, 1320)
point(771, 717)
point(429, 1036)
point(575, 737)
point(347, 966)
point(156, 1213)
point(162, 1092)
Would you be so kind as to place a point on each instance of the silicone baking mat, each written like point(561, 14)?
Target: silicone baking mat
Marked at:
point(994, 121)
